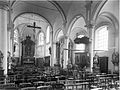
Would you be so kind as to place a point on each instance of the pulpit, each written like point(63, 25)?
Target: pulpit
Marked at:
point(28, 50)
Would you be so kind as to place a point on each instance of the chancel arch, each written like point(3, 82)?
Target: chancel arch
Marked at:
point(33, 28)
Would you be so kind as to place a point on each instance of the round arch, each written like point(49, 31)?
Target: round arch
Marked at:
point(97, 10)
point(79, 31)
point(35, 14)
point(73, 22)
point(55, 4)
point(57, 33)
point(112, 18)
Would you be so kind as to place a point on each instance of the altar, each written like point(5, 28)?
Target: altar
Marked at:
point(28, 50)
point(28, 60)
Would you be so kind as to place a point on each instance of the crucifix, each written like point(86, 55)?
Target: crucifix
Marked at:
point(34, 26)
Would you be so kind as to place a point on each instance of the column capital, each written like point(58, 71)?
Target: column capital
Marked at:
point(10, 26)
point(89, 25)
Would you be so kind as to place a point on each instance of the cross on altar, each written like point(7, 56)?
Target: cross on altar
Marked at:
point(34, 26)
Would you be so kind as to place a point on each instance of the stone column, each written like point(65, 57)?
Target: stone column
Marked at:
point(65, 52)
point(52, 51)
point(10, 30)
point(44, 45)
point(20, 50)
point(57, 53)
point(3, 37)
point(91, 45)
point(90, 29)
point(11, 38)
point(8, 38)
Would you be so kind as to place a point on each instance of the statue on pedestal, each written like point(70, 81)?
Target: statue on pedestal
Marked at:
point(1, 59)
point(115, 61)
point(9, 60)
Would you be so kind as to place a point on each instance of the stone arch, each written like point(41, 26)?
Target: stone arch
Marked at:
point(73, 22)
point(112, 18)
point(35, 14)
point(98, 9)
point(57, 33)
point(79, 31)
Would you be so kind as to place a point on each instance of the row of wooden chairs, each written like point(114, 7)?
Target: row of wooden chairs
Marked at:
point(103, 81)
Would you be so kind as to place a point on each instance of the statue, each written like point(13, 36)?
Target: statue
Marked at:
point(115, 58)
point(9, 60)
point(28, 47)
point(1, 59)
point(95, 59)
point(115, 61)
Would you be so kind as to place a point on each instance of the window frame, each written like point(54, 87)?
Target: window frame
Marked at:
point(39, 39)
point(96, 41)
point(49, 34)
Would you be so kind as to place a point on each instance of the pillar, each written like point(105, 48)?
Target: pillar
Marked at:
point(65, 52)
point(52, 50)
point(3, 37)
point(90, 29)
point(44, 45)
point(91, 45)
point(10, 29)
point(54, 53)
point(20, 50)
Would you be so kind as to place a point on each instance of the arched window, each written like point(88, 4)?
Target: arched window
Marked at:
point(101, 38)
point(41, 38)
point(16, 43)
point(16, 36)
point(48, 34)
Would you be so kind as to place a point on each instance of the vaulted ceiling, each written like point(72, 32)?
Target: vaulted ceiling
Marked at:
point(50, 10)
point(56, 12)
